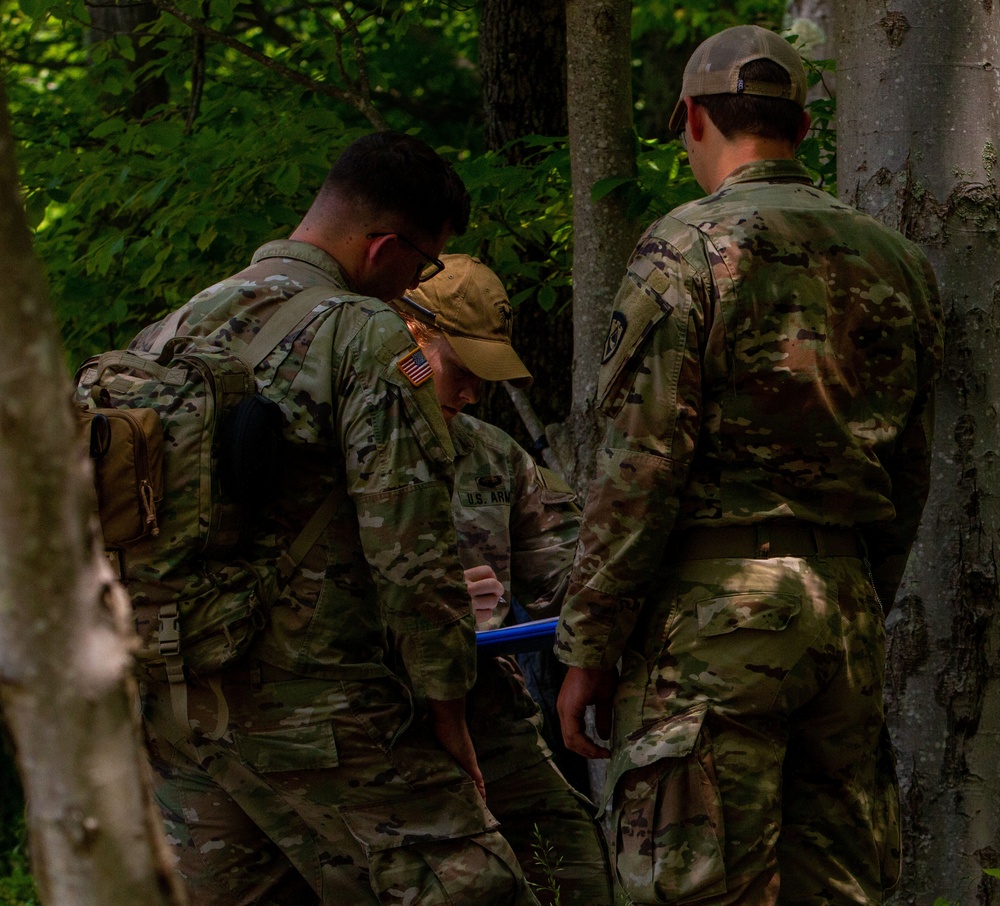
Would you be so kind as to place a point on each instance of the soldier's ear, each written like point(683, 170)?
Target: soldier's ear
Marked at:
point(379, 246)
point(803, 127)
point(696, 119)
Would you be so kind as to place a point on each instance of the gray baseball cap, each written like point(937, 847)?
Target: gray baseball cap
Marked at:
point(714, 67)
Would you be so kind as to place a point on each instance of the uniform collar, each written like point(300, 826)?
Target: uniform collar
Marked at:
point(786, 170)
point(463, 433)
point(308, 254)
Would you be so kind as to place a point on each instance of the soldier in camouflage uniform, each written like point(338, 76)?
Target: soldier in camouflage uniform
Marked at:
point(517, 527)
point(768, 376)
point(328, 777)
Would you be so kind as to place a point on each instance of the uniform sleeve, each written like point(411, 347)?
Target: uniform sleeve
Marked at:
point(400, 475)
point(650, 387)
point(544, 527)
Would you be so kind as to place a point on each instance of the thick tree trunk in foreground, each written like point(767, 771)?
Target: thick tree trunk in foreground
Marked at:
point(65, 672)
point(602, 145)
point(919, 110)
point(522, 65)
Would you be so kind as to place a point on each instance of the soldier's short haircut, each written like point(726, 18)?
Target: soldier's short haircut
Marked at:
point(398, 174)
point(746, 114)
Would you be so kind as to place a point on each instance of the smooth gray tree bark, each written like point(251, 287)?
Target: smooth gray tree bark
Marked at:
point(66, 688)
point(599, 100)
point(918, 122)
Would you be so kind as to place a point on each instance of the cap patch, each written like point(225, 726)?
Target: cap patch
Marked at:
point(616, 333)
point(415, 367)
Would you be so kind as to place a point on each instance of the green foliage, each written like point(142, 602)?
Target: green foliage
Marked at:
point(687, 22)
point(17, 886)
point(153, 166)
point(547, 858)
point(135, 212)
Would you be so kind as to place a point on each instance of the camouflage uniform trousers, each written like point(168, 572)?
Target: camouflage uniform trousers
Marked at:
point(525, 791)
point(322, 792)
point(539, 812)
point(752, 764)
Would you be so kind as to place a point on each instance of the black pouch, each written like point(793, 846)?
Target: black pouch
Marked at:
point(251, 449)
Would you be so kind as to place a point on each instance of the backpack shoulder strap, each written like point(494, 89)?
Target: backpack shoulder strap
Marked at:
point(168, 330)
point(284, 320)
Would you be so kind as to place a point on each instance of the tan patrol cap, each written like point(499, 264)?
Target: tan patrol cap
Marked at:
point(714, 67)
point(468, 304)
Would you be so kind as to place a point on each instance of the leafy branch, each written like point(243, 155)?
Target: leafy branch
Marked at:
point(359, 101)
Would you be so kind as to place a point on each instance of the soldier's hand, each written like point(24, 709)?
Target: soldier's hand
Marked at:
point(485, 589)
point(447, 720)
point(583, 687)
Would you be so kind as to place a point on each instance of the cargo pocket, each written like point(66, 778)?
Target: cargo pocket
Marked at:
point(435, 841)
point(766, 610)
point(669, 832)
point(306, 748)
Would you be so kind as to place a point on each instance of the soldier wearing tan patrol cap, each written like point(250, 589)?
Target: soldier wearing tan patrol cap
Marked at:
point(768, 378)
point(517, 527)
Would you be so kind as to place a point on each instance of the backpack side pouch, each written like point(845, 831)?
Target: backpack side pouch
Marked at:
point(126, 446)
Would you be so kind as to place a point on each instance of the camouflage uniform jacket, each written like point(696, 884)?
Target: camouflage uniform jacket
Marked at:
point(522, 520)
point(388, 559)
point(771, 355)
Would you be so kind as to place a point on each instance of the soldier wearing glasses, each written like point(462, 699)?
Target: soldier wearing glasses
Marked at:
point(343, 773)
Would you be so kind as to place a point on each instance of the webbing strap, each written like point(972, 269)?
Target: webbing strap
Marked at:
point(289, 313)
point(284, 320)
point(274, 330)
point(311, 532)
point(167, 331)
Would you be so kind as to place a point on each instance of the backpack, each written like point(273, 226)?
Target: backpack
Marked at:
point(184, 448)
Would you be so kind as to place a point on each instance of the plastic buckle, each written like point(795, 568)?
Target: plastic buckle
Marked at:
point(169, 634)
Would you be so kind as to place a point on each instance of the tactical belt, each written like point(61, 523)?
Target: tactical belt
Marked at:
point(248, 672)
point(768, 539)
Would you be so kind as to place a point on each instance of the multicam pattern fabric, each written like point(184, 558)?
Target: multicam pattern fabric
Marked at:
point(322, 792)
point(771, 357)
point(319, 743)
point(523, 521)
point(350, 417)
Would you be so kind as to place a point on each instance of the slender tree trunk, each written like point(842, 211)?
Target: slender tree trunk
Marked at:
point(813, 21)
point(919, 110)
point(109, 19)
point(65, 671)
point(602, 145)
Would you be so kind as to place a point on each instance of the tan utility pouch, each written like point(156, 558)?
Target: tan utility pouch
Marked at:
point(126, 446)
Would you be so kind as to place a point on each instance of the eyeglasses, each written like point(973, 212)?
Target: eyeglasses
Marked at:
point(682, 131)
point(432, 268)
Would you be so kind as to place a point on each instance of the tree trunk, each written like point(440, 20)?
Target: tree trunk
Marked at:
point(128, 19)
point(522, 63)
point(813, 22)
point(602, 145)
point(522, 66)
point(65, 671)
point(919, 109)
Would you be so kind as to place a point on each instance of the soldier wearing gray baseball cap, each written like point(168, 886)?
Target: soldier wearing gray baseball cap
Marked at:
point(716, 67)
point(757, 493)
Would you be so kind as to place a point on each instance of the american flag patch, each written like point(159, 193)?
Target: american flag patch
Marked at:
point(415, 367)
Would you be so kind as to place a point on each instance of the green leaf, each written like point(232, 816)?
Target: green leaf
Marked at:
point(168, 134)
point(110, 126)
point(206, 238)
point(605, 187)
point(286, 179)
